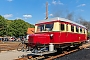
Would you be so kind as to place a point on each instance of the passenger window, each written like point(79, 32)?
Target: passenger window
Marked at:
point(84, 31)
point(80, 30)
point(62, 27)
point(77, 29)
point(72, 28)
point(66, 27)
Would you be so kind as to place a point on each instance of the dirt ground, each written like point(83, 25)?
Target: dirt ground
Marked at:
point(8, 51)
point(6, 46)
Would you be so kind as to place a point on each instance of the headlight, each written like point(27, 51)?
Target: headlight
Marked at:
point(51, 36)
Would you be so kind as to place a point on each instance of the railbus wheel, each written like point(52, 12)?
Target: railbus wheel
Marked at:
point(59, 50)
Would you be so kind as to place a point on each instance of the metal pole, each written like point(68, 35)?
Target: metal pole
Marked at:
point(46, 10)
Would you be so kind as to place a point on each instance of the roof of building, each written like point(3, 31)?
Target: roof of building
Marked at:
point(30, 30)
point(59, 19)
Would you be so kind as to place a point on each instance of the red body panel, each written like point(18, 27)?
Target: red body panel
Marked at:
point(58, 37)
point(39, 38)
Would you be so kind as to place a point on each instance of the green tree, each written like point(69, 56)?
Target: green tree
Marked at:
point(16, 27)
point(2, 26)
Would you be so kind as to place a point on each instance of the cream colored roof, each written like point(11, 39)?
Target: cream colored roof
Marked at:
point(60, 19)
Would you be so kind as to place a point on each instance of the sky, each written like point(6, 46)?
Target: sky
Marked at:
point(33, 11)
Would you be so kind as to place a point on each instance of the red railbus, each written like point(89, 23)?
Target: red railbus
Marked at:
point(59, 32)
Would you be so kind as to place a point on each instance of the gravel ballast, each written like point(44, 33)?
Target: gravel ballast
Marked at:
point(79, 55)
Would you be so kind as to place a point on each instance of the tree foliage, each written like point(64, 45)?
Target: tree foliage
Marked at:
point(2, 26)
point(17, 27)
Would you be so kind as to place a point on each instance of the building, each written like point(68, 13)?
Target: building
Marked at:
point(30, 31)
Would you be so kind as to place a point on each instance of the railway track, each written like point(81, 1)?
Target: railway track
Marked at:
point(53, 56)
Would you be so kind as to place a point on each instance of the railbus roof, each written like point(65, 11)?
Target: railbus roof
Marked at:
point(60, 19)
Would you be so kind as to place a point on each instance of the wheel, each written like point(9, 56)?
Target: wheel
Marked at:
point(35, 50)
point(59, 50)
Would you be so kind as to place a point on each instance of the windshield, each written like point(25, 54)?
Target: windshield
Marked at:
point(45, 27)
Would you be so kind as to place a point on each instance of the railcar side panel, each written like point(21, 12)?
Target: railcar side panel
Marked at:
point(56, 37)
point(62, 37)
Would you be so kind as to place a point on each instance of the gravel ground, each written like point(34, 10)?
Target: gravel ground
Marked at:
point(11, 55)
point(80, 55)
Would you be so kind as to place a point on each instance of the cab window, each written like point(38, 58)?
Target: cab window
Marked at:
point(41, 27)
point(45, 27)
point(48, 27)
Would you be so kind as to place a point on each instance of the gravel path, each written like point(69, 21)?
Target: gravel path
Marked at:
point(80, 55)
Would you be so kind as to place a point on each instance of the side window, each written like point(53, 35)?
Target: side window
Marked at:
point(84, 31)
point(62, 27)
point(72, 28)
point(77, 29)
point(80, 30)
point(66, 27)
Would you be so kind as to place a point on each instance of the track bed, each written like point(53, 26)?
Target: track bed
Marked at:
point(58, 55)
